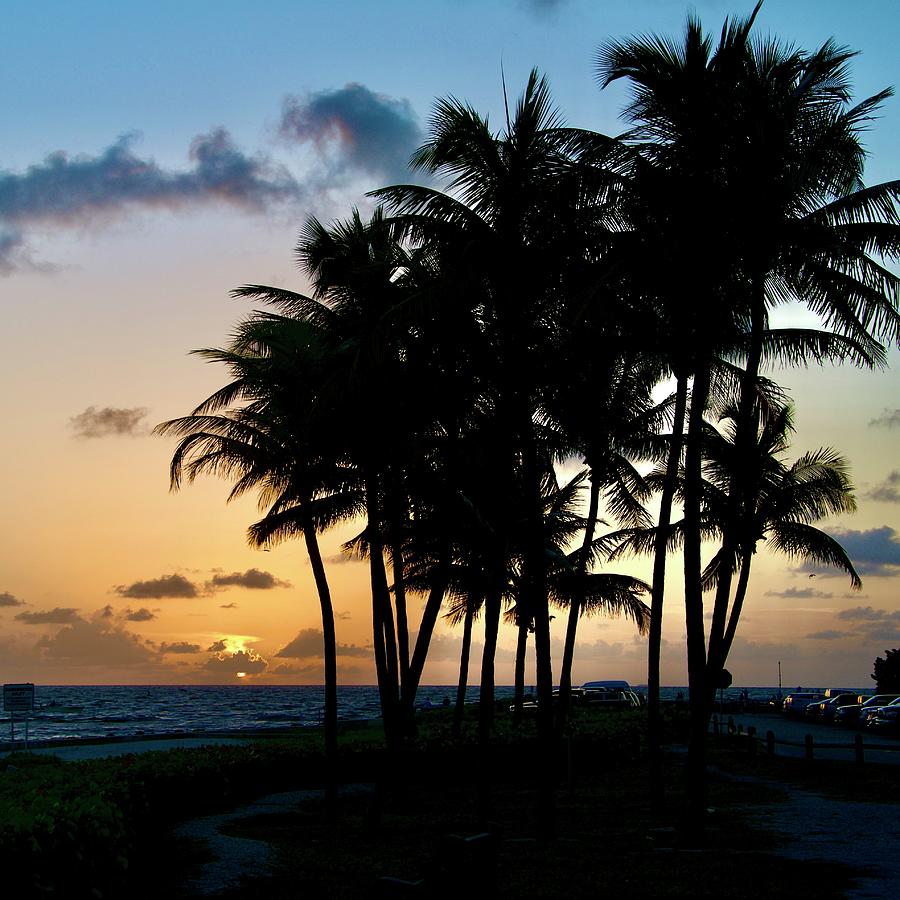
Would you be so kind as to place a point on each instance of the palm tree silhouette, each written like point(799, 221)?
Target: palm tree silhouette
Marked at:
point(265, 431)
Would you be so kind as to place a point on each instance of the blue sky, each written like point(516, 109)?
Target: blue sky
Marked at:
point(156, 156)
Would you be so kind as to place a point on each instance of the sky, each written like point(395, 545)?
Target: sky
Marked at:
point(153, 158)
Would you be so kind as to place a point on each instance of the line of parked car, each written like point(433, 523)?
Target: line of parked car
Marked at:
point(878, 713)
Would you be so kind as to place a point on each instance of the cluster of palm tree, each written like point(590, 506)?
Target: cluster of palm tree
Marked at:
point(462, 343)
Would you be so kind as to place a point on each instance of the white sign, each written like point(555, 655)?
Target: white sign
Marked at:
point(18, 698)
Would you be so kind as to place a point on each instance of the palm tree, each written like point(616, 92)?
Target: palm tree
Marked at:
point(502, 222)
point(363, 277)
point(265, 430)
point(716, 126)
point(779, 504)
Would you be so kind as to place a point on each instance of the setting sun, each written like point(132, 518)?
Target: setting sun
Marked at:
point(241, 674)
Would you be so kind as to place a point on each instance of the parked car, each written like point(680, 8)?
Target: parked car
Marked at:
point(795, 704)
point(886, 719)
point(824, 709)
point(883, 718)
point(855, 713)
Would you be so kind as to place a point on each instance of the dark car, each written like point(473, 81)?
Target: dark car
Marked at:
point(854, 713)
point(885, 718)
point(824, 709)
point(794, 704)
point(871, 712)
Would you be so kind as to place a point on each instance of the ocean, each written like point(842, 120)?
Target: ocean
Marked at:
point(68, 712)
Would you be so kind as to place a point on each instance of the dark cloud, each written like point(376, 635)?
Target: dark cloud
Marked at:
point(7, 599)
point(829, 635)
point(343, 616)
point(179, 647)
point(878, 625)
point(874, 552)
point(98, 423)
point(229, 606)
point(312, 672)
point(889, 418)
point(254, 579)
point(355, 131)
point(73, 191)
point(868, 614)
point(107, 612)
point(308, 643)
point(793, 593)
point(95, 643)
point(339, 559)
point(888, 491)
point(57, 616)
point(217, 646)
point(229, 664)
point(158, 588)
point(139, 615)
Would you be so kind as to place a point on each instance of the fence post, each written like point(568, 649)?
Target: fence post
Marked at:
point(770, 743)
point(808, 740)
point(715, 724)
point(858, 746)
point(751, 738)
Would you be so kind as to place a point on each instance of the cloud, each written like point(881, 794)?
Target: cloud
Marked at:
point(74, 191)
point(95, 643)
point(7, 599)
point(98, 423)
point(179, 647)
point(877, 625)
point(139, 615)
point(793, 593)
point(355, 131)
point(254, 579)
point(874, 552)
point(868, 614)
point(158, 588)
point(888, 491)
point(229, 606)
point(313, 672)
point(339, 559)
point(829, 635)
point(57, 616)
point(247, 661)
point(343, 616)
point(889, 418)
point(308, 643)
point(217, 646)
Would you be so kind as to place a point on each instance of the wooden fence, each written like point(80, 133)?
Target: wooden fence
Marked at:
point(809, 745)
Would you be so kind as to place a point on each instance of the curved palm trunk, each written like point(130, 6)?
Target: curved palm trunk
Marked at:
point(492, 602)
point(739, 595)
point(521, 650)
point(745, 439)
point(329, 641)
point(654, 722)
point(463, 682)
point(396, 545)
point(575, 602)
point(410, 685)
point(383, 634)
point(536, 604)
point(693, 601)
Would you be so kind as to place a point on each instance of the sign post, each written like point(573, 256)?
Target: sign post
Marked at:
point(18, 698)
